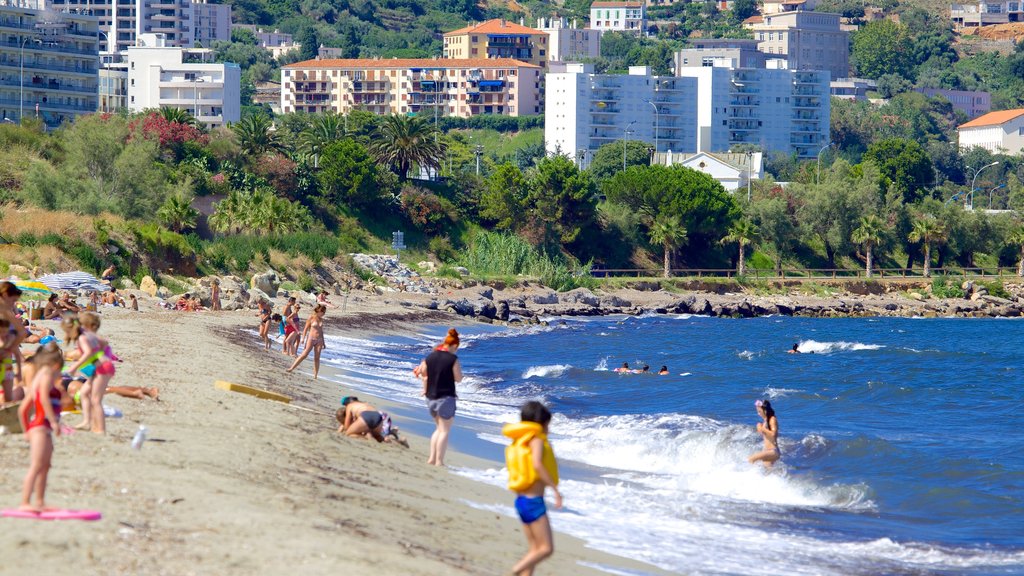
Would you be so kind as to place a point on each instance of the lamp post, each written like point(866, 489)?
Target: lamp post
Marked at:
point(990, 191)
point(656, 116)
point(478, 150)
point(750, 160)
point(195, 96)
point(817, 173)
point(625, 137)
point(970, 206)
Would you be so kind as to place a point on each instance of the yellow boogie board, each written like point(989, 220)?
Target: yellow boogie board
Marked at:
point(258, 393)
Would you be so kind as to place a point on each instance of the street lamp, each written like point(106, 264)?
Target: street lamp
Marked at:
point(976, 172)
point(991, 190)
point(21, 77)
point(656, 116)
point(750, 160)
point(817, 174)
point(625, 137)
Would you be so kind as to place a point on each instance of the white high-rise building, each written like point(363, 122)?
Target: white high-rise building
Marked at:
point(569, 43)
point(584, 111)
point(775, 109)
point(161, 76)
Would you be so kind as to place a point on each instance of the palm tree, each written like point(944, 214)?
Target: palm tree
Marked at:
point(869, 234)
point(671, 234)
point(743, 232)
point(928, 231)
point(178, 115)
point(256, 135)
point(230, 213)
point(404, 141)
point(1017, 238)
point(325, 129)
point(177, 212)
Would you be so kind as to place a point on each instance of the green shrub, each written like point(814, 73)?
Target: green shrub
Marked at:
point(760, 261)
point(493, 254)
point(995, 288)
point(306, 283)
point(945, 288)
point(447, 271)
point(441, 247)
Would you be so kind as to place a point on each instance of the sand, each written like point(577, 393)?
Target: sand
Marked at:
point(229, 484)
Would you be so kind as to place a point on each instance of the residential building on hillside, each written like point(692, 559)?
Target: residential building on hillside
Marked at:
point(775, 109)
point(996, 132)
point(806, 40)
point(732, 170)
point(855, 89)
point(48, 63)
point(730, 52)
point(275, 42)
point(585, 111)
point(162, 76)
point(776, 6)
point(620, 15)
point(431, 87)
point(268, 93)
point(495, 39)
point(986, 13)
point(569, 43)
point(974, 103)
point(212, 23)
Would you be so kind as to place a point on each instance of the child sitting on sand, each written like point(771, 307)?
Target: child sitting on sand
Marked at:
point(531, 469)
point(361, 420)
point(39, 415)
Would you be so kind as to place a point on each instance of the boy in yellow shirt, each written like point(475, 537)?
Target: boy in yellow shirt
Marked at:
point(532, 468)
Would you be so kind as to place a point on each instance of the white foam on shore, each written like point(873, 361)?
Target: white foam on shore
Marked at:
point(552, 371)
point(815, 347)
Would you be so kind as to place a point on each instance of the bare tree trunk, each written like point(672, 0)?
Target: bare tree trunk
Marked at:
point(668, 261)
point(927, 259)
point(742, 267)
point(869, 254)
point(1020, 266)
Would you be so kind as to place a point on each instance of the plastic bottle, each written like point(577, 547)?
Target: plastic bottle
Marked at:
point(139, 439)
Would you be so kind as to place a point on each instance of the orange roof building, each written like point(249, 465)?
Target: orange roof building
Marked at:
point(498, 39)
point(1001, 131)
point(433, 87)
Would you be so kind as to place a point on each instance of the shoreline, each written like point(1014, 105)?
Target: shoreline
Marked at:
point(229, 484)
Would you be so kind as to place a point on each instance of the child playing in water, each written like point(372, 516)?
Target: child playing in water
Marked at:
point(42, 400)
point(531, 471)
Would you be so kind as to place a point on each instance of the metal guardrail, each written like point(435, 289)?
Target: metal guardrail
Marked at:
point(806, 273)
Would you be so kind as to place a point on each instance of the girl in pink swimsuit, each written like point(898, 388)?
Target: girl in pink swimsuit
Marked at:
point(42, 399)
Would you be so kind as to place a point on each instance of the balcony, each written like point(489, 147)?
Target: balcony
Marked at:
point(50, 85)
point(48, 105)
point(48, 48)
point(14, 62)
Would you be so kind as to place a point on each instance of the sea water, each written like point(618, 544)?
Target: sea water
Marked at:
point(901, 438)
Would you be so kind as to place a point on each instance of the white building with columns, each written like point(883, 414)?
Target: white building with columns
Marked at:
point(161, 76)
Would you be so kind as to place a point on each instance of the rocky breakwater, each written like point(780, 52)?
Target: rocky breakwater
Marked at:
point(399, 277)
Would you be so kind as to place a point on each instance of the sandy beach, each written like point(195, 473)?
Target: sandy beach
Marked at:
point(229, 484)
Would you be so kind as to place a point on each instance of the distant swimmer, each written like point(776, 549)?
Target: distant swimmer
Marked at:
point(795, 349)
point(663, 371)
point(769, 430)
point(645, 370)
point(623, 368)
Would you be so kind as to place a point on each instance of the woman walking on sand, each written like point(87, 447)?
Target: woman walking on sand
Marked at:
point(313, 334)
point(769, 430)
point(439, 372)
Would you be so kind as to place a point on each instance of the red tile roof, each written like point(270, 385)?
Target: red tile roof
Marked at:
point(411, 63)
point(496, 26)
point(993, 118)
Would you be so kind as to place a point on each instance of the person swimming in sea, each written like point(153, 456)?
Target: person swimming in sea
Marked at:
point(769, 430)
point(624, 368)
point(663, 371)
point(794, 350)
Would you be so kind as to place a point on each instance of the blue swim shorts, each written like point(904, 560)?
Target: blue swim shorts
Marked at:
point(530, 509)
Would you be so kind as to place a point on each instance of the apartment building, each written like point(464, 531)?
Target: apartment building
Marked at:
point(855, 89)
point(212, 23)
point(48, 63)
point(498, 39)
point(162, 76)
point(122, 21)
point(276, 42)
point(973, 103)
point(775, 109)
point(806, 40)
point(585, 111)
point(569, 43)
point(730, 52)
point(620, 15)
point(997, 132)
point(432, 87)
point(986, 13)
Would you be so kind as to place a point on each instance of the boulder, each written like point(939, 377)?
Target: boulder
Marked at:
point(487, 293)
point(461, 307)
point(19, 271)
point(205, 295)
point(581, 296)
point(700, 306)
point(915, 296)
point(968, 288)
point(233, 301)
point(891, 307)
point(613, 301)
point(128, 284)
point(1007, 312)
point(163, 293)
point(485, 308)
point(976, 296)
point(256, 296)
point(549, 298)
point(502, 311)
point(427, 266)
point(996, 300)
point(233, 285)
point(268, 282)
point(148, 285)
point(462, 270)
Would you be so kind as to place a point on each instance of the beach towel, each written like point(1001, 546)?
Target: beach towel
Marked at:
point(77, 280)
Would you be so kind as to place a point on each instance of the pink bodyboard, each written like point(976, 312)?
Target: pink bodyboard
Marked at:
point(59, 514)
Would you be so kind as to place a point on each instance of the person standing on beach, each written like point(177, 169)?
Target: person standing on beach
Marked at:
point(769, 430)
point(42, 402)
point(9, 353)
point(531, 469)
point(440, 371)
point(313, 333)
point(264, 315)
point(215, 295)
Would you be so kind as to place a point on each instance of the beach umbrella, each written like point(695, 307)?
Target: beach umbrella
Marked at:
point(77, 280)
point(33, 286)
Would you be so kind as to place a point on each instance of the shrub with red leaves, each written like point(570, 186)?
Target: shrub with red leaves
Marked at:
point(167, 133)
